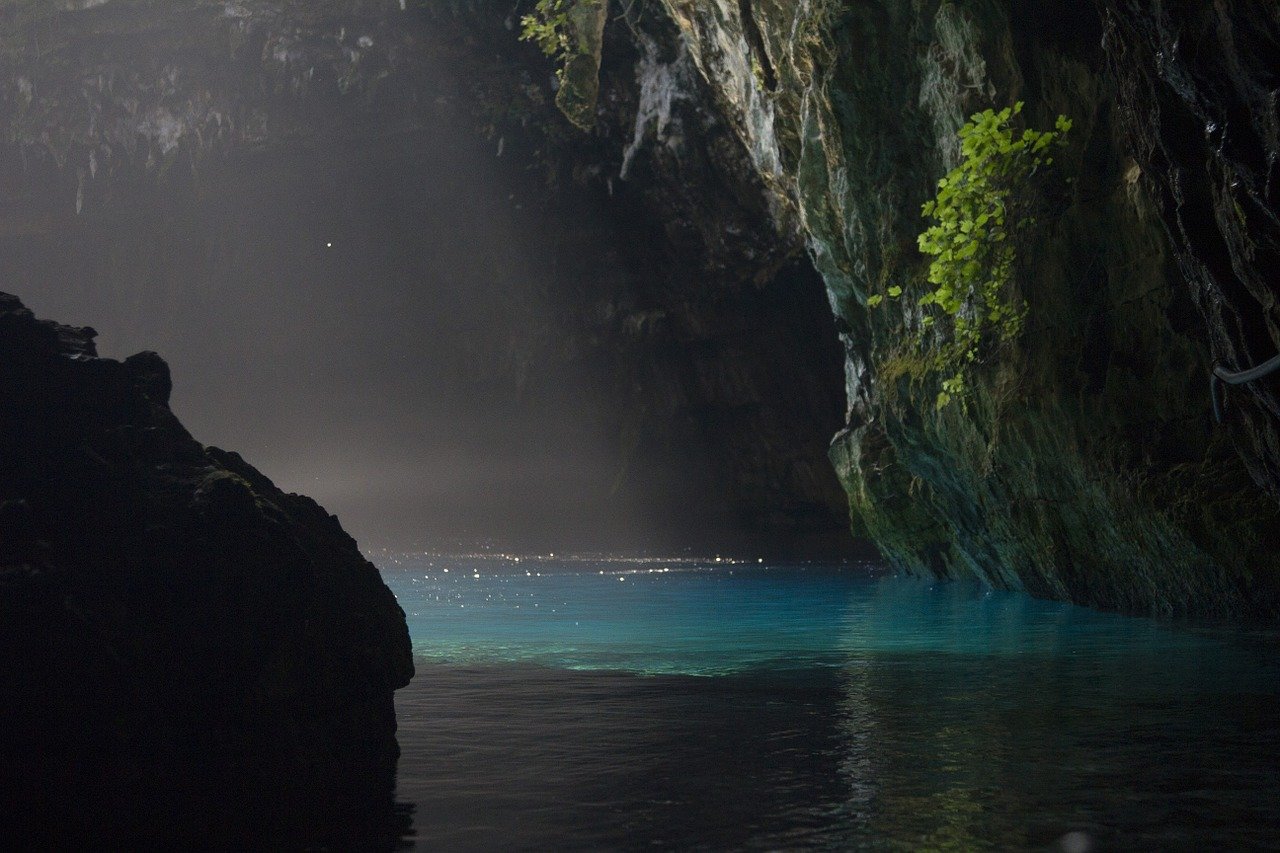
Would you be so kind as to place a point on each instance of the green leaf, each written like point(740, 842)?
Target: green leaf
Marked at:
point(969, 239)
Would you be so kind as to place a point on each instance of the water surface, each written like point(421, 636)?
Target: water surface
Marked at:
point(588, 704)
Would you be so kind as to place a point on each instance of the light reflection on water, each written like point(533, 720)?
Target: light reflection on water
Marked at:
point(604, 704)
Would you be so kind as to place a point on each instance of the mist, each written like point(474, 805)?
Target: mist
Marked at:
point(352, 321)
point(378, 319)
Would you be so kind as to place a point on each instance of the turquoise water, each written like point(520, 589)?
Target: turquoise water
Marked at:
point(588, 704)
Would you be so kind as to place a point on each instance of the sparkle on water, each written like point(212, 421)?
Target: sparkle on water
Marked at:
point(586, 703)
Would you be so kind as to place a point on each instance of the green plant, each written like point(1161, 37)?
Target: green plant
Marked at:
point(550, 28)
point(981, 209)
point(572, 33)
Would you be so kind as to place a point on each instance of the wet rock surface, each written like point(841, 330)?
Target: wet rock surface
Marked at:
point(185, 647)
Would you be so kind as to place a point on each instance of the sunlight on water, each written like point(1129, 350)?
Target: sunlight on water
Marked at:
point(709, 617)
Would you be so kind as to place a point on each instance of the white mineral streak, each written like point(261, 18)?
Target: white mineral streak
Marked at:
point(954, 79)
point(662, 84)
point(713, 33)
point(162, 128)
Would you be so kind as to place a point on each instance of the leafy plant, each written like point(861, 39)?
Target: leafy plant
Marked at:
point(981, 209)
point(571, 32)
point(549, 27)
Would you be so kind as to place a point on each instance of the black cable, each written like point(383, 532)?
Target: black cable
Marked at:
point(1222, 375)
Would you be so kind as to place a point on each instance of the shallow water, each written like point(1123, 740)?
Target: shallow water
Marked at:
point(679, 704)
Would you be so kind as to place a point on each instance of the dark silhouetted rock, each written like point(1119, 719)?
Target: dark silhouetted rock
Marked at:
point(183, 647)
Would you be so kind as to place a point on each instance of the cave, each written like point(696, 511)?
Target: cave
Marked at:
point(694, 424)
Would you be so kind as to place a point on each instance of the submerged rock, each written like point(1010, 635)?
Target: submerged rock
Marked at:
point(181, 643)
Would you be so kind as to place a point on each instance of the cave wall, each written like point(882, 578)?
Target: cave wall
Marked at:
point(1197, 84)
point(1086, 465)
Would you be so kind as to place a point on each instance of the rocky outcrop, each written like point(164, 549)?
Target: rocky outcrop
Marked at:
point(1086, 465)
point(183, 644)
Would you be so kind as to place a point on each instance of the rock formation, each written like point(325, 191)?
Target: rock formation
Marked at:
point(1197, 86)
point(1087, 465)
point(185, 647)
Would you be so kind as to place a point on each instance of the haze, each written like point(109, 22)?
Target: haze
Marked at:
point(358, 319)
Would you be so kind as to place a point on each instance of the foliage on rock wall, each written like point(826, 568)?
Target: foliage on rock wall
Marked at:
point(572, 33)
point(548, 27)
point(979, 216)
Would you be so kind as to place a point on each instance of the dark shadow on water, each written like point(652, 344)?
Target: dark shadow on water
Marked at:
point(83, 772)
point(889, 751)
